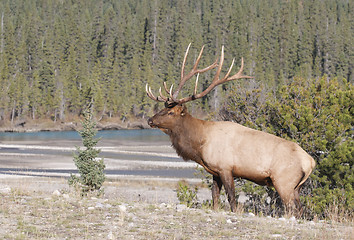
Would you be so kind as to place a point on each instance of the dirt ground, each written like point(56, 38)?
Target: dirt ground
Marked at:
point(46, 208)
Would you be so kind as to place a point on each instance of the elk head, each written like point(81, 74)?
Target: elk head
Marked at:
point(174, 109)
point(168, 118)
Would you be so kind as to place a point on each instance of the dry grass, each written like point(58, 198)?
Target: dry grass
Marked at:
point(30, 213)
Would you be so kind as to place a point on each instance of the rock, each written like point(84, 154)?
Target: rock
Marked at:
point(122, 208)
point(242, 198)
point(5, 190)
point(110, 235)
point(282, 219)
point(20, 123)
point(249, 214)
point(99, 205)
point(90, 208)
point(66, 196)
point(180, 207)
point(292, 219)
point(228, 221)
point(56, 193)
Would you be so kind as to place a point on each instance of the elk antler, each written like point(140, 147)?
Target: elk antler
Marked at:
point(172, 98)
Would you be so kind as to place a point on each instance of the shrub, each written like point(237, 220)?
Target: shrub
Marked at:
point(91, 170)
point(318, 115)
point(186, 195)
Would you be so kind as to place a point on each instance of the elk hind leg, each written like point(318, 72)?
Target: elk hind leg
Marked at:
point(298, 207)
point(215, 191)
point(289, 197)
point(229, 185)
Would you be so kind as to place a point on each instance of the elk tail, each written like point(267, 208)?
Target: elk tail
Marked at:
point(306, 173)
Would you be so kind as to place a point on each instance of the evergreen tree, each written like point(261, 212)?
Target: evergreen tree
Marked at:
point(91, 169)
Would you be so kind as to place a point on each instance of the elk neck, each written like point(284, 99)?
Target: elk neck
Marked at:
point(187, 138)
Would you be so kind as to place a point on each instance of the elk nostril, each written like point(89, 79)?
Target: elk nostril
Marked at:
point(150, 121)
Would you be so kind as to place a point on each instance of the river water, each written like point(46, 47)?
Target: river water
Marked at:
point(143, 153)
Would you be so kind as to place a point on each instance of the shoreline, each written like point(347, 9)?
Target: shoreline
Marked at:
point(39, 126)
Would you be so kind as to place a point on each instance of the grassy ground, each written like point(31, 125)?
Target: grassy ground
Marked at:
point(47, 209)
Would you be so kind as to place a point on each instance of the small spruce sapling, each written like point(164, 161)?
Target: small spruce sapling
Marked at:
point(90, 168)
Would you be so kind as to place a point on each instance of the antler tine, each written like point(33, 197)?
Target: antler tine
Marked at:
point(216, 77)
point(151, 95)
point(169, 92)
point(162, 96)
point(194, 70)
point(183, 78)
point(171, 95)
point(166, 89)
point(196, 85)
point(228, 72)
point(184, 61)
point(238, 75)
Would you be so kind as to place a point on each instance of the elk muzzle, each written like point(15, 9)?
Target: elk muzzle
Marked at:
point(151, 123)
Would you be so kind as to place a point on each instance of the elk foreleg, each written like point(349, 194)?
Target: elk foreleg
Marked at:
point(229, 185)
point(215, 191)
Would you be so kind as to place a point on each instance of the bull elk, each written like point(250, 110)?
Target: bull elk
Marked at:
point(228, 150)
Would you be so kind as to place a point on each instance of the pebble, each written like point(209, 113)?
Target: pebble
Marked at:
point(110, 235)
point(66, 196)
point(99, 205)
point(5, 190)
point(180, 207)
point(249, 214)
point(122, 208)
point(56, 193)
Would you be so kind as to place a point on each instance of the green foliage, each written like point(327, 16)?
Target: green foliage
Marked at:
point(318, 115)
point(91, 169)
point(186, 195)
point(261, 199)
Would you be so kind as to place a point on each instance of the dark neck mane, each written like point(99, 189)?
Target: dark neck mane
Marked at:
point(187, 138)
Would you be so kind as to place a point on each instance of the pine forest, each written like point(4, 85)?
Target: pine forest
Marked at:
point(56, 54)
